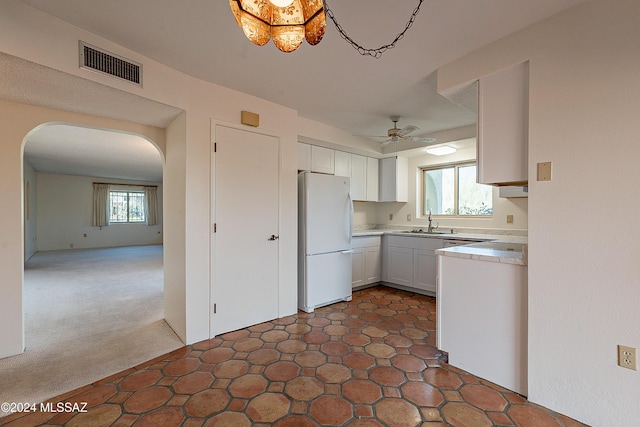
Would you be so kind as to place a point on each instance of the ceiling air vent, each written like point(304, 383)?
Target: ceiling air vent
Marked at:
point(96, 59)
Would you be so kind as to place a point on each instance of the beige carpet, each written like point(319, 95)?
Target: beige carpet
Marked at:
point(88, 314)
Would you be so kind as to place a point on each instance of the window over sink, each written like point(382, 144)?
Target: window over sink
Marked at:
point(452, 190)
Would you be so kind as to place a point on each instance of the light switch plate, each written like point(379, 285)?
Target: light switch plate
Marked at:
point(544, 171)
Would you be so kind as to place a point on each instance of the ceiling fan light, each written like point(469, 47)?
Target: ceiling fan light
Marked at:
point(441, 151)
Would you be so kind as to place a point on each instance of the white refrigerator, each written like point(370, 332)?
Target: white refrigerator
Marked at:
point(325, 218)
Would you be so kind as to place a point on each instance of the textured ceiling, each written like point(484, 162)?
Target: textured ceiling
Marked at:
point(29, 83)
point(330, 83)
point(77, 150)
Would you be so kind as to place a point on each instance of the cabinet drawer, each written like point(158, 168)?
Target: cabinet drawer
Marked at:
point(415, 242)
point(365, 241)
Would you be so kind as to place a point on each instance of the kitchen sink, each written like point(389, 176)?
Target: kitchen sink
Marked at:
point(421, 231)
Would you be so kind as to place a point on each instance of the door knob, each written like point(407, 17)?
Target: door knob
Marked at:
point(273, 237)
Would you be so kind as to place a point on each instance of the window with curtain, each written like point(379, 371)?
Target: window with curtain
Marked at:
point(151, 205)
point(100, 205)
point(126, 207)
point(119, 204)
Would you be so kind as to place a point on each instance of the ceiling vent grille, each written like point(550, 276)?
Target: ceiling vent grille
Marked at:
point(96, 59)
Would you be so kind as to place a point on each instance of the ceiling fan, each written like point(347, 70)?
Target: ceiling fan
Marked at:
point(396, 134)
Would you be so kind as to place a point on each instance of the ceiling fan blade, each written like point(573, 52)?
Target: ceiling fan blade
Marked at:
point(422, 138)
point(407, 130)
point(373, 136)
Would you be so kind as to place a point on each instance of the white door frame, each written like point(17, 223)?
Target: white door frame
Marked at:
point(212, 263)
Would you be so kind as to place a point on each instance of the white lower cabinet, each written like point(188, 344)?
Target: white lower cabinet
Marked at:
point(357, 267)
point(366, 260)
point(372, 264)
point(400, 261)
point(425, 269)
point(411, 262)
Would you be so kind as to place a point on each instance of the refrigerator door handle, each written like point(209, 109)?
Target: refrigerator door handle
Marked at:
point(350, 217)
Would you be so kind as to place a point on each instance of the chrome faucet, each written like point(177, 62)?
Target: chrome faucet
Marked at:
point(431, 228)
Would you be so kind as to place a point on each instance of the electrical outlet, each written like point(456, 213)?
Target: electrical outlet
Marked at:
point(390, 217)
point(627, 357)
point(408, 217)
point(509, 219)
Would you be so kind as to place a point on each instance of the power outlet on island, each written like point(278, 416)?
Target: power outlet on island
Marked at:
point(627, 357)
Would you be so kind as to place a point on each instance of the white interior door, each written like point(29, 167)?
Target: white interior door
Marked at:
point(245, 214)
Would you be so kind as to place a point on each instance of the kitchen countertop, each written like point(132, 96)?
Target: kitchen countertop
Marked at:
point(502, 248)
point(368, 233)
point(506, 252)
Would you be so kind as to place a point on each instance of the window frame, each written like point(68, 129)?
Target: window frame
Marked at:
point(128, 193)
point(456, 184)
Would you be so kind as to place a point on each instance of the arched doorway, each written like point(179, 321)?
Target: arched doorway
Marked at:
point(93, 303)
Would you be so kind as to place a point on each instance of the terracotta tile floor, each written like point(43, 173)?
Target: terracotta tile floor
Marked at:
point(370, 362)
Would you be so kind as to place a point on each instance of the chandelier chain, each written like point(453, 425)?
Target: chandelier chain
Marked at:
point(376, 53)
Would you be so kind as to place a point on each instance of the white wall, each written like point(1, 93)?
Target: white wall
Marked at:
point(65, 206)
point(583, 239)
point(174, 232)
point(30, 211)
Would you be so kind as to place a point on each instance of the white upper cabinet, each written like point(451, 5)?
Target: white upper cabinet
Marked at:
point(503, 127)
point(342, 164)
point(394, 179)
point(358, 177)
point(304, 157)
point(372, 179)
point(364, 180)
point(322, 160)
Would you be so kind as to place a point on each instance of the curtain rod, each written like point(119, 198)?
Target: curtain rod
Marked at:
point(126, 185)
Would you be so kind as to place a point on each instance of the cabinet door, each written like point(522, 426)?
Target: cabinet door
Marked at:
point(400, 264)
point(358, 177)
point(322, 160)
point(372, 263)
point(358, 262)
point(503, 126)
point(304, 157)
point(372, 179)
point(343, 164)
point(425, 270)
point(394, 179)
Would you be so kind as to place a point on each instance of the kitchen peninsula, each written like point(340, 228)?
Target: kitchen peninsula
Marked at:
point(482, 310)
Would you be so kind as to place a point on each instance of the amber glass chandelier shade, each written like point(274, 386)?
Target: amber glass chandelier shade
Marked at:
point(287, 26)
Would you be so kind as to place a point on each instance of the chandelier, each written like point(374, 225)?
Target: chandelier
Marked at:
point(288, 22)
point(287, 25)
